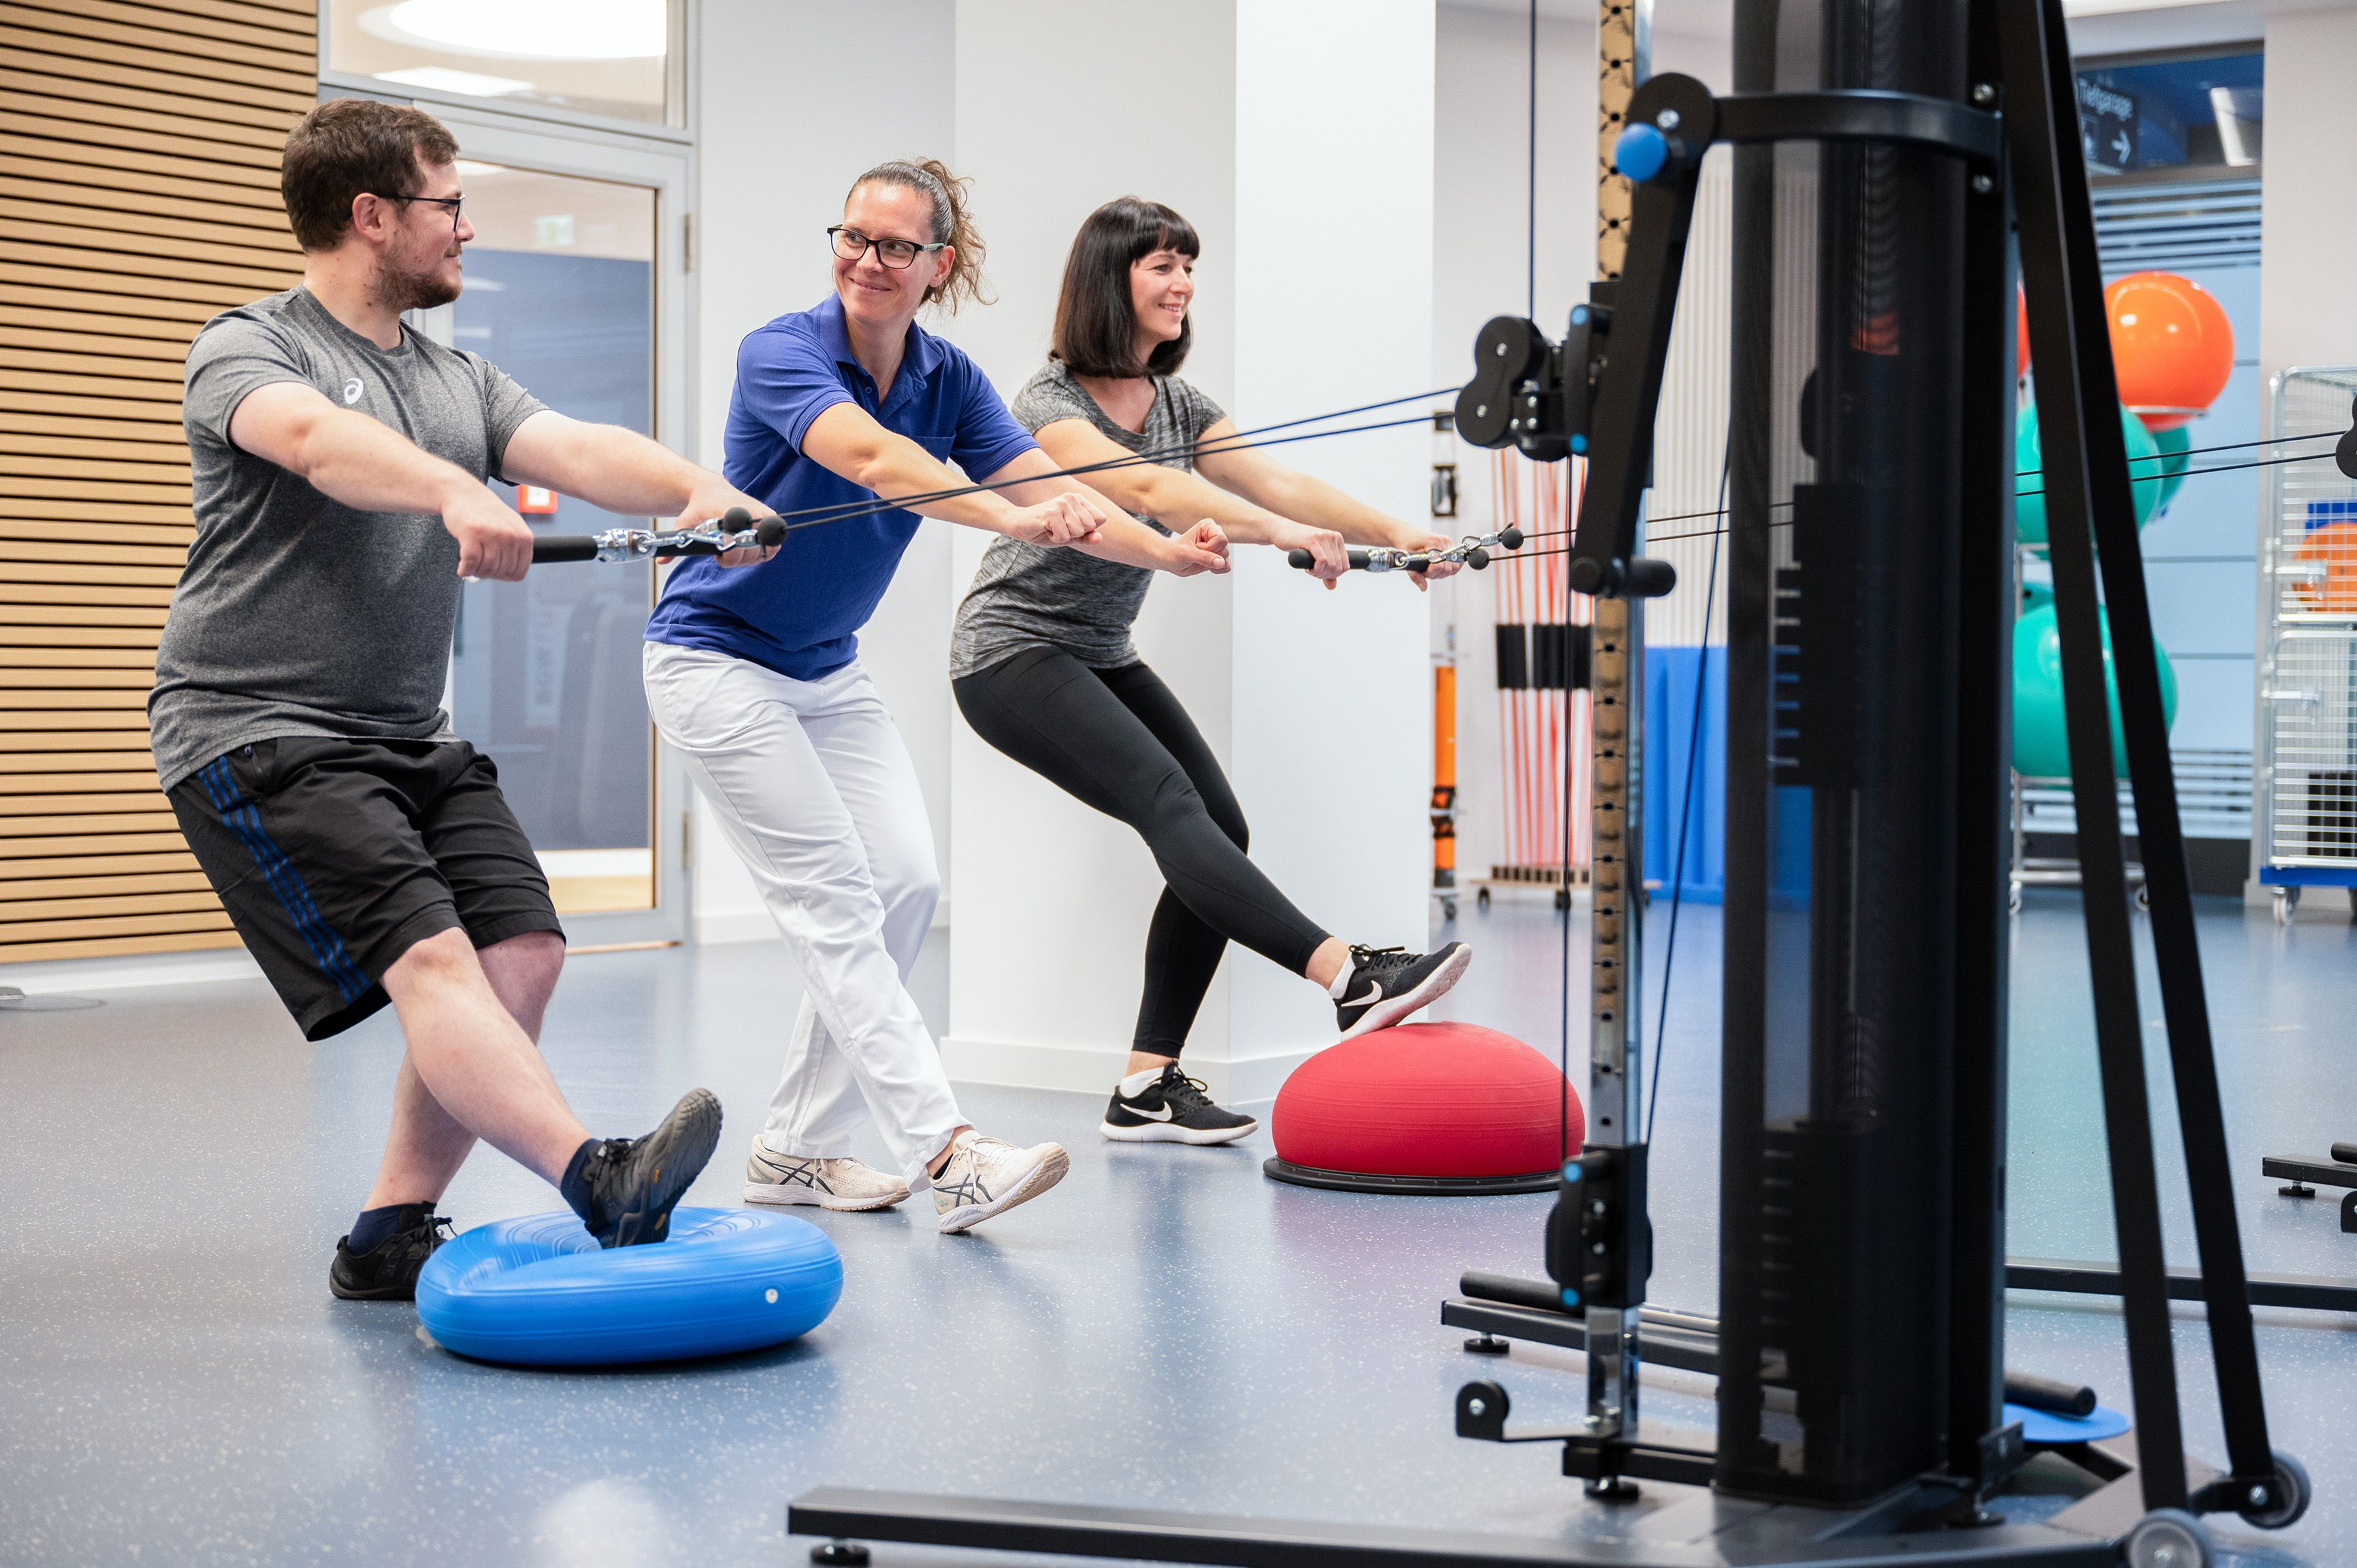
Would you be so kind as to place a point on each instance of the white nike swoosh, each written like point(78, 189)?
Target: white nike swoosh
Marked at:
point(1374, 994)
point(1161, 1115)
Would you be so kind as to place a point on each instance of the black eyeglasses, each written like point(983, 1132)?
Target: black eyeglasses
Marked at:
point(453, 202)
point(898, 254)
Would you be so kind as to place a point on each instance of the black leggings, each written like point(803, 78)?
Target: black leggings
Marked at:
point(1118, 740)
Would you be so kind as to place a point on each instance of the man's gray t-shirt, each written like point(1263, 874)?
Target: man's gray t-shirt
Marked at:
point(297, 615)
point(1030, 596)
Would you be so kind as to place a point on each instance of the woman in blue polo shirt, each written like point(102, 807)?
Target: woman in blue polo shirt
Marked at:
point(754, 675)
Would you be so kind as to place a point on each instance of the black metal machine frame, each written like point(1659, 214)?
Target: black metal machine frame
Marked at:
point(2003, 156)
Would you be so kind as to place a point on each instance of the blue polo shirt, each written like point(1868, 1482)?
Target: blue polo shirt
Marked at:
point(800, 612)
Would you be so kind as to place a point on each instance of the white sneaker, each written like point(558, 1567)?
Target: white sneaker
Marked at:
point(987, 1175)
point(844, 1184)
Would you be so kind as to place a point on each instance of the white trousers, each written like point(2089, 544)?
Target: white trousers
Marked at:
point(813, 786)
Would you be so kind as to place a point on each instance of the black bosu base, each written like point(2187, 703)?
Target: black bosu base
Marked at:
point(1409, 1185)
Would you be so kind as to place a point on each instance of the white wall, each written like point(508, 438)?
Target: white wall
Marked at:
point(1481, 210)
point(1311, 190)
point(791, 113)
point(2309, 212)
point(1332, 731)
point(1084, 884)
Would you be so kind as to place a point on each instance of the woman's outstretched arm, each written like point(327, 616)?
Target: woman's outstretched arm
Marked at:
point(1176, 498)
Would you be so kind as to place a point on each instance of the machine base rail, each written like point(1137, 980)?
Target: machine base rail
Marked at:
point(1702, 1533)
point(2315, 1293)
point(2302, 1170)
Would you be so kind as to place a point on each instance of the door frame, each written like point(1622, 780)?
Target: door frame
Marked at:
point(670, 172)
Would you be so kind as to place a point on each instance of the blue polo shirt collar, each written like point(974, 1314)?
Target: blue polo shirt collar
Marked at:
point(920, 356)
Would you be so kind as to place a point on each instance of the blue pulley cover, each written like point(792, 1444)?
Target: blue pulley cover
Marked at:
point(1640, 153)
point(540, 1292)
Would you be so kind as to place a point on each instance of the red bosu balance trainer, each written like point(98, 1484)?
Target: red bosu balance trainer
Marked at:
point(1439, 1108)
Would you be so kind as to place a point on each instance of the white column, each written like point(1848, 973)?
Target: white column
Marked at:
point(761, 250)
point(1297, 138)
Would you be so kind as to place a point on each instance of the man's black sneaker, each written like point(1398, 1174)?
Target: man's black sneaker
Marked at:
point(388, 1271)
point(1173, 1109)
point(1386, 984)
point(634, 1182)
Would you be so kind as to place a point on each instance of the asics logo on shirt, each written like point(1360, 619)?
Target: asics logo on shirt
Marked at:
point(351, 392)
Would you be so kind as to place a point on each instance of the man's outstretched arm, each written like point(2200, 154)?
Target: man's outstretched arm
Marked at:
point(370, 467)
point(619, 470)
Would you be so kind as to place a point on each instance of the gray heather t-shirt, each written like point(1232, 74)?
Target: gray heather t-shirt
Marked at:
point(297, 615)
point(1030, 595)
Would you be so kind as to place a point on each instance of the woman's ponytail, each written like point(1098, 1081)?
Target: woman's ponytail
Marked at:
point(953, 225)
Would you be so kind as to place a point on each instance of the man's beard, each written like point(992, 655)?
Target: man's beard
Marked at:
point(409, 291)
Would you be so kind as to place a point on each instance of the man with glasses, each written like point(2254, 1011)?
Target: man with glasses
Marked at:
point(362, 850)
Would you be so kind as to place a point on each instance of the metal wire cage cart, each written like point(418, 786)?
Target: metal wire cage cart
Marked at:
point(2305, 793)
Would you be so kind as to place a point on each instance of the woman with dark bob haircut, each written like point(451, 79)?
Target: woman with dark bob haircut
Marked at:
point(1044, 670)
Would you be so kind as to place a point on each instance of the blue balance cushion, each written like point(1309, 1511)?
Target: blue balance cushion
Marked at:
point(2044, 1428)
point(540, 1291)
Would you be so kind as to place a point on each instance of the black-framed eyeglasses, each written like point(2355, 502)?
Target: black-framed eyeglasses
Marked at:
point(453, 202)
point(898, 254)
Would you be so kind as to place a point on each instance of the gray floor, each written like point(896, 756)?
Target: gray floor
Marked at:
point(1167, 1329)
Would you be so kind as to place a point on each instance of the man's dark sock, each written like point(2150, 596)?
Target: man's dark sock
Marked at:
point(369, 1230)
point(576, 1185)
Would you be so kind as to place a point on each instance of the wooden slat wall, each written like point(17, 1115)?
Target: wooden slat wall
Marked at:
point(138, 196)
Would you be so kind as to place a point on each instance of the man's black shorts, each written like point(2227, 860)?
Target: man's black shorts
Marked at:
point(334, 857)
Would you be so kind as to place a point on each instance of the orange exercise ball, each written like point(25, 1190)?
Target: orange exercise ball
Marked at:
point(2171, 345)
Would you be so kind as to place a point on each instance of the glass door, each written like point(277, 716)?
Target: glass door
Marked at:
point(573, 290)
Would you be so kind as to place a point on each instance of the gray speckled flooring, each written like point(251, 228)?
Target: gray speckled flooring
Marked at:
point(1167, 1329)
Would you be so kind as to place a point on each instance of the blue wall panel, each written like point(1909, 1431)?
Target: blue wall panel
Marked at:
point(1685, 772)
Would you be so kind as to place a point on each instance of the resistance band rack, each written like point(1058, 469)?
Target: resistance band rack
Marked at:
point(1859, 1344)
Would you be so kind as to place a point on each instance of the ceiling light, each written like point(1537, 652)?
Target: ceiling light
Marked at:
point(528, 29)
point(442, 79)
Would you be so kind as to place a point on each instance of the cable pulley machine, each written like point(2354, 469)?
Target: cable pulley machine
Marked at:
point(1894, 160)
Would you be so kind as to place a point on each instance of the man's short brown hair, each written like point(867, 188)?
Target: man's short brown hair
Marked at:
point(354, 146)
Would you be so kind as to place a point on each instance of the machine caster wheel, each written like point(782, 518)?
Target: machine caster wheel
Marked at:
point(839, 1553)
point(1448, 908)
point(2292, 1492)
point(1482, 898)
point(1487, 1345)
point(2144, 896)
point(2286, 904)
point(2013, 899)
point(1562, 898)
point(2168, 1538)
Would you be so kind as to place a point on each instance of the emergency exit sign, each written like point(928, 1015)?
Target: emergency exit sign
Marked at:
point(2107, 126)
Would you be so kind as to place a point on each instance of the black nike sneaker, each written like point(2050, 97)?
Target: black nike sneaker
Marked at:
point(1173, 1109)
point(1388, 983)
point(634, 1182)
point(388, 1271)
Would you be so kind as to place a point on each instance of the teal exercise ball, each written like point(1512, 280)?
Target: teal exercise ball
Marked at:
point(2029, 483)
point(2173, 443)
point(2042, 747)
